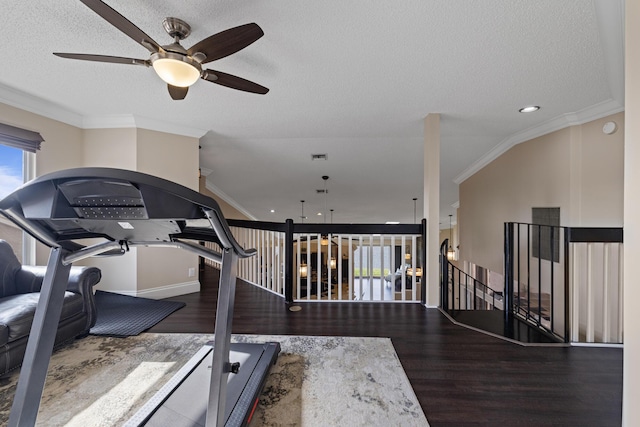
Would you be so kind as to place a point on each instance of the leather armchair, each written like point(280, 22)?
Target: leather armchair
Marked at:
point(19, 294)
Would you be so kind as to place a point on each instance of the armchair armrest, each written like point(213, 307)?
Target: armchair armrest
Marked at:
point(81, 279)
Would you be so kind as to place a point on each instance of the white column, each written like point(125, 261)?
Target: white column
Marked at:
point(432, 205)
point(631, 370)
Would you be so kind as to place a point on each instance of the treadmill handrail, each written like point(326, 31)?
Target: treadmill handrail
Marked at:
point(11, 205)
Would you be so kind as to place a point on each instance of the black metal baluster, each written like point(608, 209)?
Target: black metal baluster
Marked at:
point(551, 312)
point(508, 280)
point(567, 238)
point(474, 294)
point(288, 257)
point(539, 271)
point(528, 284)
point(517, 248)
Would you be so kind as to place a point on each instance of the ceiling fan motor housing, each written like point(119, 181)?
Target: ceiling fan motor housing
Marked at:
point(176, 28)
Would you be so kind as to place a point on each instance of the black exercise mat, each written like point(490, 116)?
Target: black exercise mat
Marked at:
point(123, 316)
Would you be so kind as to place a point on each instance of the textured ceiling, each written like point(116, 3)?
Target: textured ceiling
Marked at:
point(352, 79)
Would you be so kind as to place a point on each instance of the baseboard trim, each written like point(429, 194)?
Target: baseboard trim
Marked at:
point(162, 291)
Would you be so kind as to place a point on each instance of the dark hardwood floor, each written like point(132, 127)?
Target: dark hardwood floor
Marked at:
point(461, 377)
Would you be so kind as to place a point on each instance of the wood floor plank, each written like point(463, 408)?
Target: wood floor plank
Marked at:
point(461, 377)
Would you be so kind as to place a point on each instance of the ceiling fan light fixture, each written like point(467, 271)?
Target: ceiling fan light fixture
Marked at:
point(175, 69)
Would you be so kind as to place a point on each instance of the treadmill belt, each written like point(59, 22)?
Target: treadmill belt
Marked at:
point(183, 401)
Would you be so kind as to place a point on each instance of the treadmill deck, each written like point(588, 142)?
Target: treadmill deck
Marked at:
point(182, 402)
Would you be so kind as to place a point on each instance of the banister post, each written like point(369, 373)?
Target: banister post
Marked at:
point(444, 276)
point(508, 273)
point(567, 294)
point(475, 293)
point(423, 260)
point(288, 262)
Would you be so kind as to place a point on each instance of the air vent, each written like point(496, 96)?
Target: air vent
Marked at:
point(322, 191)
point(318, 157)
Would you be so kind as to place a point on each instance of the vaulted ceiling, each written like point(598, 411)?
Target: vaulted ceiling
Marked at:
point(350, 79)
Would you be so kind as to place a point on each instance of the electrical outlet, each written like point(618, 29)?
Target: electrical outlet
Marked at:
point(192, 272)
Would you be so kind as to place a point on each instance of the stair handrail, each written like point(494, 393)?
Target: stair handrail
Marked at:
point(449, 271)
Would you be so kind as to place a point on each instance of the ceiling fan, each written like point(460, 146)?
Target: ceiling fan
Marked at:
point(177, 66)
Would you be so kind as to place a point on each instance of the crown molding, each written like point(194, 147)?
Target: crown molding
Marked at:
point(51, 110)
point(33, 104)
point(139, 122)
point(205, 171)
point(215, 190)
point(603, 109)
point(122, 121)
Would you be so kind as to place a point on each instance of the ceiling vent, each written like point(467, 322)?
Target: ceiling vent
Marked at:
point(322, 191)
point(318, 157)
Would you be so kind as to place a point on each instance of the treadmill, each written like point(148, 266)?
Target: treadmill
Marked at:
point(221, 384)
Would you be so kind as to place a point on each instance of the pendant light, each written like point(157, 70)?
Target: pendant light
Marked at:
point(451, 253)
point(324, 237)
point(304, 270)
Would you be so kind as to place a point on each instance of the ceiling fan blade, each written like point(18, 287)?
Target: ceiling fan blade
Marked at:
point(233, 82)
point(227, 42)
point(104, 58)
point(177, 93)
point(123, 24)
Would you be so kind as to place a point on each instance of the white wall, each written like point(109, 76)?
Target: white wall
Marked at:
point(110, 148)
point(164, 271)
point(600, 175)
point(228, 211)
point(155, 273)
point(113, 148)
point(531, 174)
point(578, 169)
point(148, 272)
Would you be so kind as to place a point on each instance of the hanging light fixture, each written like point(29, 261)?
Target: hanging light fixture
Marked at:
point(325, 238)
point(325, 178)
point(304, 270)
point(451, 253)
point(176, 69)
point(172, 63)
point(302, 217)
point(414, 209)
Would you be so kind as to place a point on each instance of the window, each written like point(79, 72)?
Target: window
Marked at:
point(11, 175)
point(372, 259)
point(17, 160)
point(10, 178)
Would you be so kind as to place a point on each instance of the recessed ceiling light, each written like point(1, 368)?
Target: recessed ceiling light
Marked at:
point(529, 109)
point(319, 213)
point(273, 210)
point(392, 222)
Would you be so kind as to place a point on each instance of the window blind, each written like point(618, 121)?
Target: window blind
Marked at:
point(20, 138)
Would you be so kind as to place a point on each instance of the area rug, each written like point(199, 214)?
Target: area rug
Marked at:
point(123, 315)
point(317, 381)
